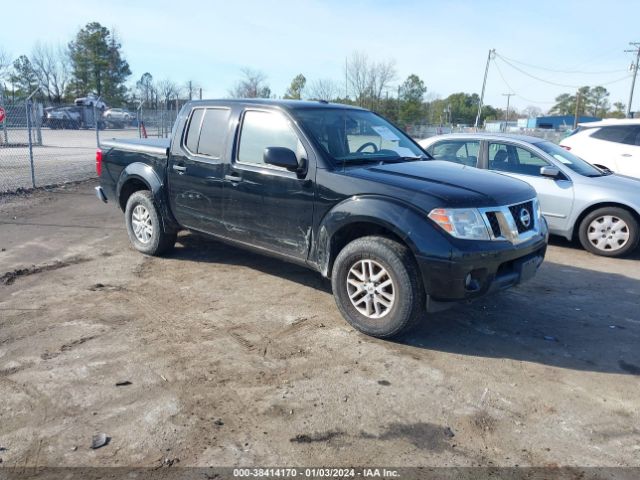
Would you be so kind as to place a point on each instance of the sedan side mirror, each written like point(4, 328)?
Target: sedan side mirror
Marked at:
point(281, 157)
point(551, 172)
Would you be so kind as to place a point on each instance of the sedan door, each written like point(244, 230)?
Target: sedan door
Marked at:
point(556, 195)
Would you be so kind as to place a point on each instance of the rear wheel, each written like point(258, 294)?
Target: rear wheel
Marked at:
point(609, 231)
point(144, 225)
point(377, 286)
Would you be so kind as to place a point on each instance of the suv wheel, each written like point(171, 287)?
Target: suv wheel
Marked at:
point(144, 225)
point(609, 231)
point(377, 286)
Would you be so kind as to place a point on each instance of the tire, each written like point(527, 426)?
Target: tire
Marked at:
point(609, 232)
point(408, 298)
point(141, 210)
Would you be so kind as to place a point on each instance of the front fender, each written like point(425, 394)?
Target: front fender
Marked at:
point(405, 221)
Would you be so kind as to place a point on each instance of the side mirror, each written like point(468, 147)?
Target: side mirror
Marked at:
point(603, 168)
point(551, 172)
point(281, 157)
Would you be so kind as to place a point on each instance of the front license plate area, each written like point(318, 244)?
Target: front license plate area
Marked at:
point(529, 268)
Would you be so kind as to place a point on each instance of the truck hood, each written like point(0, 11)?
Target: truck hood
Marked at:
point(453, 184)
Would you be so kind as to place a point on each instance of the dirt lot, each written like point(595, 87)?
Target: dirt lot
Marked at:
point(238, 359)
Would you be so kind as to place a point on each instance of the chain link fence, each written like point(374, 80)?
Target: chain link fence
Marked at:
point(39, 149)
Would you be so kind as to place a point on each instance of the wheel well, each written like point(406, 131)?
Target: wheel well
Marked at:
point(129, 188)
point(351, 232)
point(576, 227)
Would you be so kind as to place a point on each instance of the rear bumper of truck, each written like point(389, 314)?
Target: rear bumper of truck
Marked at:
point(101, 195)
point(471, 274)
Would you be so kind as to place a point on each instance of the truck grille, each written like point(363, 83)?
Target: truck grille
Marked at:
point(514, 223)
point(523, 216)
point(493, 222)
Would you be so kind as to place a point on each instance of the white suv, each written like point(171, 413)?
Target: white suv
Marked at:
point(614, 144)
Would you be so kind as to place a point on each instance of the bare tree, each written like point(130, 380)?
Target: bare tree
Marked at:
point(253, 85)
point(51, 66)
point(358, 76)
point(532, 111)
point(367, 79)
point(192, 89)
point(323, 89)
point(5, 62)
point(167, 90)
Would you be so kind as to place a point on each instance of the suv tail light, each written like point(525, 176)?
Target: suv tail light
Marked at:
point(98, 161)
point(565, 147)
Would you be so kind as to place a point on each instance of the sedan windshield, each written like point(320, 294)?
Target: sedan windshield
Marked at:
point(570, 160)
point(358, 136)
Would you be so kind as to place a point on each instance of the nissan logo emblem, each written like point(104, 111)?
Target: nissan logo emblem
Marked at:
point(525, 217)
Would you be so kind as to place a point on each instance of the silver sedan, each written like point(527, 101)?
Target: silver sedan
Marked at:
point(577, 199)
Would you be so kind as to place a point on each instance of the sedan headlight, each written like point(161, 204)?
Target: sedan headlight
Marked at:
point(463, 223)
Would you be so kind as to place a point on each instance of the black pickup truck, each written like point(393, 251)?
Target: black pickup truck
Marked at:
point(335, 188)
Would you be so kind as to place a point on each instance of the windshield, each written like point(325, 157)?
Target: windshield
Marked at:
point(570, 160)
point(356, 136)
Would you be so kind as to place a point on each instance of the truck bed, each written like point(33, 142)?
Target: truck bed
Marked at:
point(152, 146)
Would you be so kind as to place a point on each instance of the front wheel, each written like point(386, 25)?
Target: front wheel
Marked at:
point(610, 232)
point(377, 286)
point(144, 225)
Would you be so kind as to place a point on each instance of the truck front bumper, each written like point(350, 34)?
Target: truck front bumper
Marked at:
point(471, 274)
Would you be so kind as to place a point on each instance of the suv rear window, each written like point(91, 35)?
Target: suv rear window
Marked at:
point(627, 134)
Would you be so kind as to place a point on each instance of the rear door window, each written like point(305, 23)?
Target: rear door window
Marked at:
point(206, 132)
point(193, 130)
point(213, 132)
point(627, 134)
point(457, 151)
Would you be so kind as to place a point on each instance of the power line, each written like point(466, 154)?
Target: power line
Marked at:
point(564, 85)
point(558, 71)
point(513, 90)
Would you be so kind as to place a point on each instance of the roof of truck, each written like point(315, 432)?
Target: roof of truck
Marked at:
point(288, 104)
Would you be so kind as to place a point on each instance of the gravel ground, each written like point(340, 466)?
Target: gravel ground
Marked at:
point(216, 356)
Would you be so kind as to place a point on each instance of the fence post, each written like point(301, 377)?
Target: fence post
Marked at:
point(95, 121)
point(33, 174)
point(4, 123)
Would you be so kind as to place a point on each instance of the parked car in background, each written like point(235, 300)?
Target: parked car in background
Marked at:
point(62, 117)
point(614, 144)
point(117, 117)
point(577, 199)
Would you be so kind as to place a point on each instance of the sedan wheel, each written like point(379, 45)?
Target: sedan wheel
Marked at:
point(609, 231)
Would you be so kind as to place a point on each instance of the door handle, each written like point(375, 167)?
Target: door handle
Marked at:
point(180, 169)
point(233, 178)
point(626, 155)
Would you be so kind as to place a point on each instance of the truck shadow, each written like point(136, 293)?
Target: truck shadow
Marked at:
point(565, 317)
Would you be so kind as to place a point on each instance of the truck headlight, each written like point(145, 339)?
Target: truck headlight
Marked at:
point(463, 223)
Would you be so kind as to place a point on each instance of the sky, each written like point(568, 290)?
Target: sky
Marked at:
point(444, 42)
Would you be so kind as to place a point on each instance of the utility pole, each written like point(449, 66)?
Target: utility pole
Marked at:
point(508, 95)
point(636, 50)
point(492, 53)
